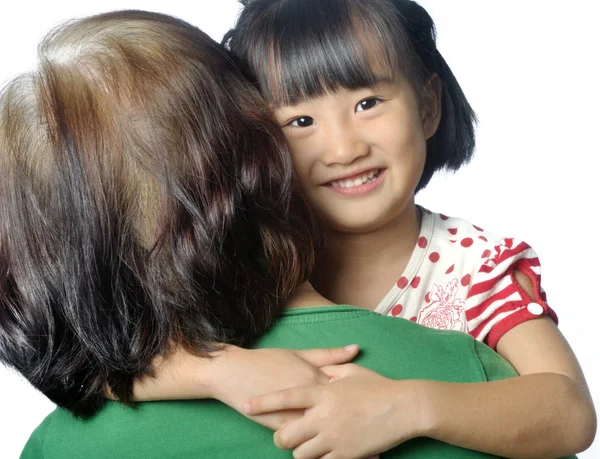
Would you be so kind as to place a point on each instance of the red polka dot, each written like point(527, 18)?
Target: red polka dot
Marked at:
point(486, 253)
point(422, 242)
point(477, 228)
point(427, 297)
point(483, 238)
point(453, 231)
point(450, 269)
point(443, 217)
point(465, 280)
point(466, 242)
point(402, 282)
point(413, 319)
point(453, 241)
point(434, 257)
point(415, 282)
point(397, 310)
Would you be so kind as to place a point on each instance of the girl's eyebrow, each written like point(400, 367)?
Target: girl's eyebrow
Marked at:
point(380, 81)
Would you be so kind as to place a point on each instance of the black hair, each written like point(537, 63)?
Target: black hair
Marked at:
point(303, 48)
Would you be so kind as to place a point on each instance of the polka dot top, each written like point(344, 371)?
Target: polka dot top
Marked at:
point(461, 277)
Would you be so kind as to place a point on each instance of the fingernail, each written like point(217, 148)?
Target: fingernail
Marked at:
point(351, 347)
point(246, 408)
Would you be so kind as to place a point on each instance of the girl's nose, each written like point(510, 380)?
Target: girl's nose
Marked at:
point(342, 145)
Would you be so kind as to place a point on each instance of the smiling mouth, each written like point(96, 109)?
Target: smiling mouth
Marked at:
point(358, 180)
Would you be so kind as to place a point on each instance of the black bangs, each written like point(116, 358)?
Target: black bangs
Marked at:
point(299, 49)
point(318, 46)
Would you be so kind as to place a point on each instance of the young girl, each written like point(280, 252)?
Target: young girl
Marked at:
point(372, 111)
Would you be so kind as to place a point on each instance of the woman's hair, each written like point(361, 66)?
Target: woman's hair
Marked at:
point(303, 48)
point(146, 200)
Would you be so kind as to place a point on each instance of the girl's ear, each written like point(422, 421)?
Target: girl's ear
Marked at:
point(431, 105)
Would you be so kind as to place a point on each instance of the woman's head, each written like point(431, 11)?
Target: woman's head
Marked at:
point(146, 199)
point(304, 51)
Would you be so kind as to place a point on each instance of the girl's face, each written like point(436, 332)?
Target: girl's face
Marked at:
point(359, 154)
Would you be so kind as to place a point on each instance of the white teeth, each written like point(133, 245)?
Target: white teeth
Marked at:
point(349, 183)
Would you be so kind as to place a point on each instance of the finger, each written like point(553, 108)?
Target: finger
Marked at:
point(330, 455)
point(289, 399)
point(329, 356)
point(294, 434)
point(278, 419)
point(311, 449)
point(335, 372)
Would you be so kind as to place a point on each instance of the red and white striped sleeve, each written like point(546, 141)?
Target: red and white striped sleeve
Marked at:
point(496, 302)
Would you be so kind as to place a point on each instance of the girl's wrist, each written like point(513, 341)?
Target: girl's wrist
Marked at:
point(427, 402)
point(417, 396)
point(211, 376)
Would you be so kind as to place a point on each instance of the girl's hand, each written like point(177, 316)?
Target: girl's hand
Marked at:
point(238, 374)
point(360, 413)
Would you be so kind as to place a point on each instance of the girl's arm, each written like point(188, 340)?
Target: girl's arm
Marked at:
point(232, 375)
point(546, 412)
point(540, 415)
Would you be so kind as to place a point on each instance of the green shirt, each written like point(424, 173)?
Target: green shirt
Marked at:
point(393, 347)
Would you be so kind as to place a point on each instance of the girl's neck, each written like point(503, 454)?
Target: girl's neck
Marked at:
point(360, 269)
point(306, 296)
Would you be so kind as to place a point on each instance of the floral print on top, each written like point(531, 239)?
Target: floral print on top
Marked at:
point(461, 278)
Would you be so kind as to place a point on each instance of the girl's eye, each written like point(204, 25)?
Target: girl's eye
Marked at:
point(367, 104)
point(302, 122)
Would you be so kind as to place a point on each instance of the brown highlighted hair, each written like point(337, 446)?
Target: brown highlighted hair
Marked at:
point(146, 198)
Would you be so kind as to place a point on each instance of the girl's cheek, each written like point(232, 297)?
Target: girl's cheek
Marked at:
point(301, 162)
point(305, 151)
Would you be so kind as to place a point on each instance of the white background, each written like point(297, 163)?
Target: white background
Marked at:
point(530, 70)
